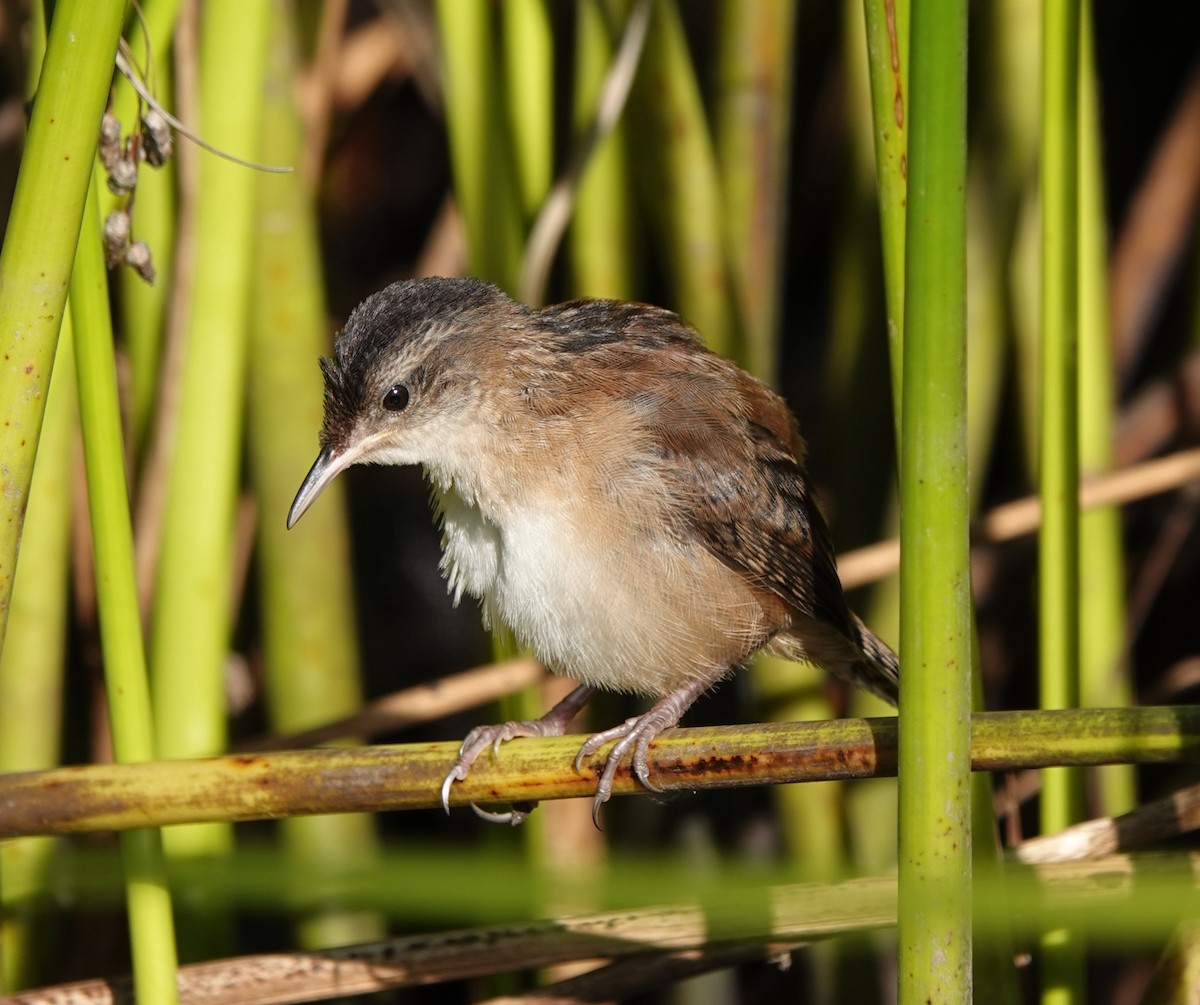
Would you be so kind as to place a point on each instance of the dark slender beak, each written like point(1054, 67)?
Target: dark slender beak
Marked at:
point(326, 467)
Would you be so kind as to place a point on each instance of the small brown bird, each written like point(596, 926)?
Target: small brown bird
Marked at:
point(633, 506)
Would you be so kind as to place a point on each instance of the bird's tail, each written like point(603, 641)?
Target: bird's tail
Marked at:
point(859, 656)
point(879, 671)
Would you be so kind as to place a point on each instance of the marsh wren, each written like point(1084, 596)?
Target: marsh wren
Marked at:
point(632, 506)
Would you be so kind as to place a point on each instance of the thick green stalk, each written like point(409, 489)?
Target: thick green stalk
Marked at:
point(31, 670)
point(876, 200)
point(1008, 126)
point(753, 126)
point(32, 653)
point(310, 648)
point(1103, 623)
point(994, 974)
point(859, 392)
point(682, 188)
point(1058, 557)
point(39, 244)
point(601, 241)
point(935, 946)
point(529, 96)
point(191, 625)
point(887, 45)
point(151, 927)
point(480, 156)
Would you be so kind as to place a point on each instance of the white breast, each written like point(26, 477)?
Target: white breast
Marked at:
point(530, 575)
point(622, 612)
point(471, 547)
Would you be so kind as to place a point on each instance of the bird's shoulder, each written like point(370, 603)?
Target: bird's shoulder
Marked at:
point(590, 326)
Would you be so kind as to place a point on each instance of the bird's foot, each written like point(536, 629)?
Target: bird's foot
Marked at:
point(553, 723)
point(636, 733)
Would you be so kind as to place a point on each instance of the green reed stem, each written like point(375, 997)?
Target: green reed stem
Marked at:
point(1058, 558)
point(681, 185)
point(39, 244)
point(151, 925)
point(935, 946)
point(529, 96)
point(1103, 618)
point(480, 154)
point(888, 46)
point(755, 50)
point(601, 239)
point(31, 670)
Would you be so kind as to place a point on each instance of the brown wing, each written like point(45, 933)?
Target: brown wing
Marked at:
point(749, 501)
point(725, 444)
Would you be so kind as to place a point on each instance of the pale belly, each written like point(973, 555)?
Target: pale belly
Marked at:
point(620, 611)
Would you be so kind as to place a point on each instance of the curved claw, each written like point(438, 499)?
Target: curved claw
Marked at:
point(511, 817)
point(609, 774)
point(455, 774)
point(597, 804)
point(641, 759)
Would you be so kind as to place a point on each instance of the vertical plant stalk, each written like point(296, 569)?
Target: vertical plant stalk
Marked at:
point(859, 394)
point(192, 602)
point(480, 157)
point(888, 48)
point(32, 653)
point(600, 98)
point(310, 648)
point(31, 672)
point(39, 244)
point(994, 975)
point(753, 126)
point(601, 237)
point(681, 187)
point(888, 29)
point(1103, 619)
point(1009, 123)
point(151, 927)
point(935, 940)
point(529, 96)
point(1058, 557)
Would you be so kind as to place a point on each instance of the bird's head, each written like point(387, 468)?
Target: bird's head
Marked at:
point(409, 373)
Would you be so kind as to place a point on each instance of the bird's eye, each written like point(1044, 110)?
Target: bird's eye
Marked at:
point(396, 399)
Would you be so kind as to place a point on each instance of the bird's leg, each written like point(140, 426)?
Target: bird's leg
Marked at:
point(639, 732)
point(553, 723)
